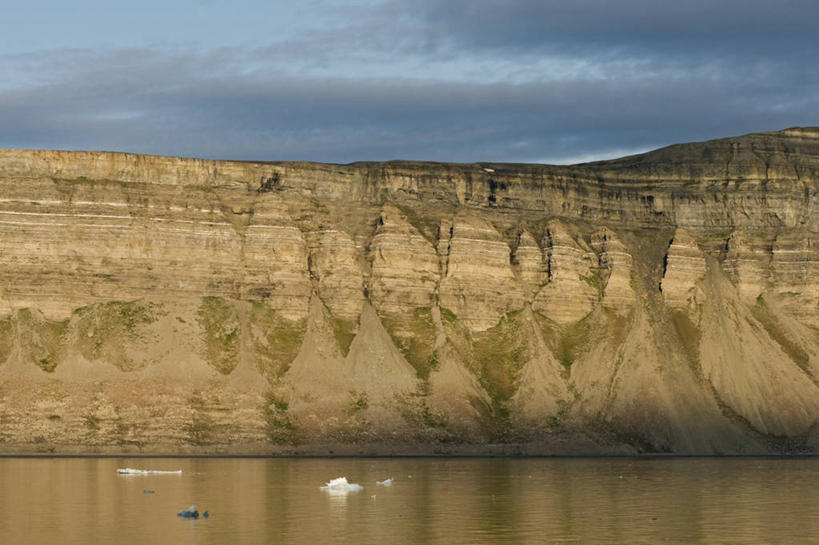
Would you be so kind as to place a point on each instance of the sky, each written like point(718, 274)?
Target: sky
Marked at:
point(369, 80)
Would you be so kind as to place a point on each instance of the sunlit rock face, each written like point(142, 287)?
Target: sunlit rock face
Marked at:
point(795, 274)
point(405, 267)
point(664, 302)
point(479, 285)
point(572, 288)
point(529, 264)
point(337, 273)
point(616, 271)
point(684, 269)
point(747, 264)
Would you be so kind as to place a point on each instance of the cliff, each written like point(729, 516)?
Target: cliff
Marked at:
point(663, 302)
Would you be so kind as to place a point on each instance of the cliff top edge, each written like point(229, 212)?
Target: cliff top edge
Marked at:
point(759, 139)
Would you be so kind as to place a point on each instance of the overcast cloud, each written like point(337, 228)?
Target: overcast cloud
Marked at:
point(463, 80)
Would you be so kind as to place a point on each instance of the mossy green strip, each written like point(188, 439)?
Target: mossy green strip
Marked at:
point(41, 341)
point(6, 339)
point(276, 341)
point(688, 334)
point(427, 227)
point(280, 428)
point(568, 341)
point(221, 330)
point(414, 335)
point(104, 329)
point(344, 331)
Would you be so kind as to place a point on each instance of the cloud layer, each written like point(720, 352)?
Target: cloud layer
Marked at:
point(476, 80)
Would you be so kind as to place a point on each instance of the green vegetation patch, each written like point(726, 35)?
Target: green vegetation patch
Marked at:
point(427, 227)
point(357, 428)
point(557, 420)
point(103, 330)
point(498, 356)
point(414, 335)
point(359, 402)
point(495, 356)
point(432, 418)
point(448, 316)
point(616, 326)
point(42, 341)
point(200, 427)
point(688, 334)
point(47, 364)
point(567, 341)
point(6, 339)
point(78, 179)
point(220, 332)
point(344, 332)
point(205, 427)
point(500, 353)
point(276, 341)
point(280, 428)
point(594, 281)
point(418, 414)
point(457, 334)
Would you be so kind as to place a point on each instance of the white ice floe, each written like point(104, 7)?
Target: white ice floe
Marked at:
point(341, 486)
point(385, 482)
point(132, 471)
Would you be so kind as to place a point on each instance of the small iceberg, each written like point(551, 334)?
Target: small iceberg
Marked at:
point(341, 486)
point(385, 482)
point(189, 513)
point(132, 471)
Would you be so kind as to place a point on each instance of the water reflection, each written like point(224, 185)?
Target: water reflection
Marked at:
point(671, 500)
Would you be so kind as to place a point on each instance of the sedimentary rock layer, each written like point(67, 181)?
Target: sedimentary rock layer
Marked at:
point(665, 302)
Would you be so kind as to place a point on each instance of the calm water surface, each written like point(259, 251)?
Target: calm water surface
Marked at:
point(664, 500)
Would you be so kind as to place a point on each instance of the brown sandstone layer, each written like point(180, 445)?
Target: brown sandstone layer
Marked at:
point(664, 302)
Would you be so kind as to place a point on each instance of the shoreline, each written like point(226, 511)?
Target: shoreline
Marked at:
point(386, 451)
point(640, 456)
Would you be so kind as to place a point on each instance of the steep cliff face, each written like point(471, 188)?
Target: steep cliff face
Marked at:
point(665, 302)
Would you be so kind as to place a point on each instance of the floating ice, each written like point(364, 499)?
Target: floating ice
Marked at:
point(385, 482)
point(341, 486)
point(132, 471)
point(189, 513)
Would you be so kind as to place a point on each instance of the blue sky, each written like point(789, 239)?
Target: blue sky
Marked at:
point(461, 80)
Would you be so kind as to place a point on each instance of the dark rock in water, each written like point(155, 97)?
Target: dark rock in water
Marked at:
point(206, 514)
point(146, 491)
point(189, 513)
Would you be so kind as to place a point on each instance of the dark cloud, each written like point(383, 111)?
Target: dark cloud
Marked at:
point(649, 27)
point(154, 103)
point(450, 81)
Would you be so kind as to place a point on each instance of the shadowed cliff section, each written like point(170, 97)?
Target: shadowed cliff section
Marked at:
point(664, 302)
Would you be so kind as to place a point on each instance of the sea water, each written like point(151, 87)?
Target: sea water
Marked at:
point(431, 500)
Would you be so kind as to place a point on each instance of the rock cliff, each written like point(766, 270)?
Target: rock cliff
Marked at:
point(663, 302)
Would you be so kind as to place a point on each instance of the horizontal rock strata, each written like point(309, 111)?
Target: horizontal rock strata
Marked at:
point(664, 302)
point(684, 268)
